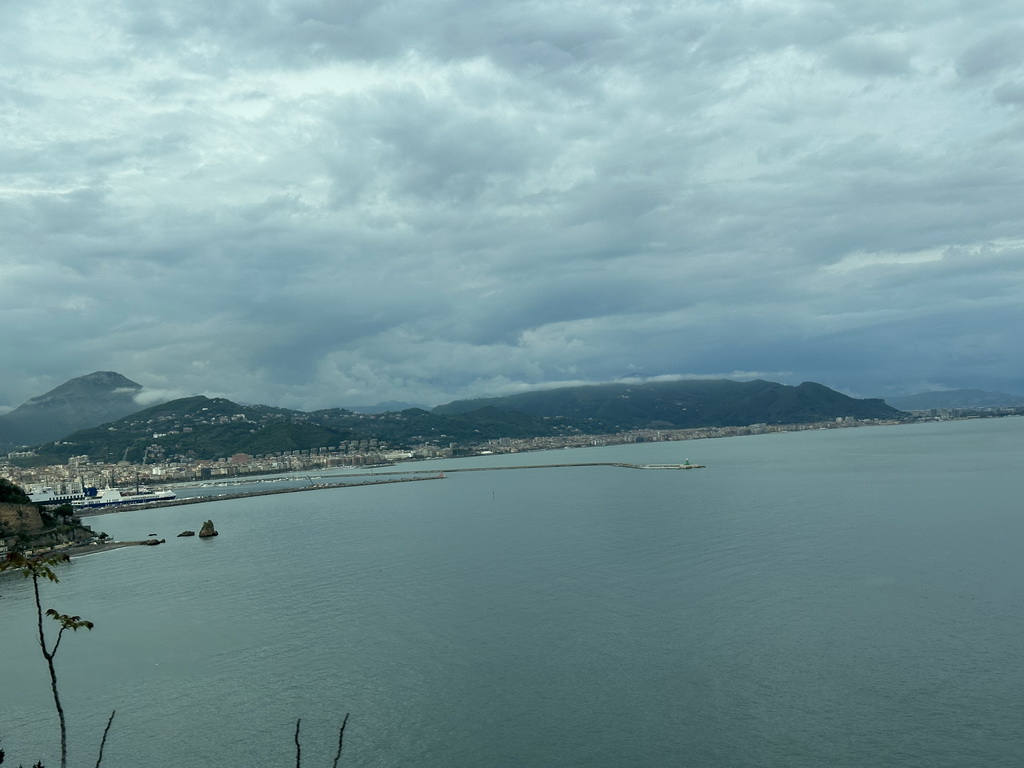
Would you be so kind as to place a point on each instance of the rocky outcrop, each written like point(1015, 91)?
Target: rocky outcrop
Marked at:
point(20, 518)
point(208, 530)
point(186, 533)
point(22, 527)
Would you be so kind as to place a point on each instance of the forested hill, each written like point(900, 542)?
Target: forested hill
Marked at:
point(683, 404)
point(193, 427)
point(211, 428)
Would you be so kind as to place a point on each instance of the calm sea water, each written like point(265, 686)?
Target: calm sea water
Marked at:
point(849, 597)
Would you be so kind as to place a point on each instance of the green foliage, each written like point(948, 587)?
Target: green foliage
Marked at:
point(74, 623)
point(415, 425)
point(290, 436)
point(64, 511)
point(37, 567)
point(12, 494)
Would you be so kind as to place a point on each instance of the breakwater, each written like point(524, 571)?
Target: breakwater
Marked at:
point(621, 464)
point(375, 478)
point(249, 494)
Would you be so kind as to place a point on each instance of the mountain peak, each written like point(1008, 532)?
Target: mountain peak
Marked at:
point(82, 402)
point(96, 383)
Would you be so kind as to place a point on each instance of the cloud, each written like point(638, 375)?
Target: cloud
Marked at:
point(313, 204)
point(993, 53)
point(148, 397)
point(870, 58)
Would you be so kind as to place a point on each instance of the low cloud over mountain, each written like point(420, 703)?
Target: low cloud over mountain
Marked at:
point(82, 402)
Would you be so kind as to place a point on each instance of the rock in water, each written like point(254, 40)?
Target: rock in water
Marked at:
point(208, 530)
point(186, 533)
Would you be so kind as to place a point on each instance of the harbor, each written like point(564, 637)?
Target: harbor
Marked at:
point(363, 479)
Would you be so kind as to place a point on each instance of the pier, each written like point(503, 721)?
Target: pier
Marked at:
point(621, 464)
point(375, 478)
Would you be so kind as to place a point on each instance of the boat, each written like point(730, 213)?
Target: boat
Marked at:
point(115, 497)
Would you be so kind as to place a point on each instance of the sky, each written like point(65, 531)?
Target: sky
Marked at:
point(316, 204)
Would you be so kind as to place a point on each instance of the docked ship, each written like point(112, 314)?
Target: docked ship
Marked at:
point(115, 497)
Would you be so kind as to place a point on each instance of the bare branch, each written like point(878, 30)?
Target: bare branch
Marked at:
point(103, 741)
point(298, 747)
point(341, 739)
point(36, 568)
point(56, 643)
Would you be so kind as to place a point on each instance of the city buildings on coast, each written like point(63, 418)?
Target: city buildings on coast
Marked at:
point(155, 469)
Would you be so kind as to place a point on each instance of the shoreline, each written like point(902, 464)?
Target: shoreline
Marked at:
point(672, 435)
point(91, 549)
point(247, 494)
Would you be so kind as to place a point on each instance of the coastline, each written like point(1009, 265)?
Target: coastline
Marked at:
point(90, 512)
point(91, 549)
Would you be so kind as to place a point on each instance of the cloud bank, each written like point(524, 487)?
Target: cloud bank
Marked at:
point(314, 204)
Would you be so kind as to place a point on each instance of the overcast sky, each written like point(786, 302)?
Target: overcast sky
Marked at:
point(323, 203)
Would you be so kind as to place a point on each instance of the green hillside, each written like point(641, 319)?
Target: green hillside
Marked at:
point(415, 425)
point(682, 405)
point(196, 428)
point(213, 428)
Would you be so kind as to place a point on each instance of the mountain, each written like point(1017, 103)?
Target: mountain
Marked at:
point(191, 427)
point(955, 398)
point(212, 428)
point(76, 404)
point(388, 406)
point(682, 405)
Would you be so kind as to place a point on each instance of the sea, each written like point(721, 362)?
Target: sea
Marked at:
point(841, 597)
